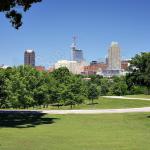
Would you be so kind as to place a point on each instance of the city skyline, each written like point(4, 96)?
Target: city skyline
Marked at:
point(52, 62)
point(96, 24)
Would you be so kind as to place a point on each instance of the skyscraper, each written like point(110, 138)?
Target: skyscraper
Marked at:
point(77, 54)
point(114, 59)
point(29, 58)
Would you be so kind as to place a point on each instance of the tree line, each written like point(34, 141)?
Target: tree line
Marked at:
point(24, 86)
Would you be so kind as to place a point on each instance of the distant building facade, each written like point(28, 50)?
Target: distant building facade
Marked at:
point(77, 55)
point(40, 68)
point(29, 58)
point(4, 66)
point(73, 66)
point(125, 64)
point(51, 69)
point(94, 68)
point(113, 62)
point(114, 58)
point(94, 62)
point(106, 60)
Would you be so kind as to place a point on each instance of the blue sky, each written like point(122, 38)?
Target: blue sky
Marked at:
point(48, 28)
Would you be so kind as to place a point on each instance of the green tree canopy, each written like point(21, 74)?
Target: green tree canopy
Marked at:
point(92, 92)
point(119, 86)
point(62, 75)
point(139, 70)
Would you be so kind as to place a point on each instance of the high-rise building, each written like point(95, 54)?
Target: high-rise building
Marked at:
point(106, 60)
point(114, 58)
point(77, 54)
point(29, 58)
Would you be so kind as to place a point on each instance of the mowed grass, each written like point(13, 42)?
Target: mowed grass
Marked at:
point(102, 103)
point(139, 96)
point(107, 103)
point(130, 131)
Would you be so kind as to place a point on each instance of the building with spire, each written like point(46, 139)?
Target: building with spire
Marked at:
point(77, 54)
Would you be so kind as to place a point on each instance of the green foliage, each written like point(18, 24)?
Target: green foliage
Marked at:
point(10, 8)
point(24, 87)
point(119, 86)
point(139, 71)
point(96, 79)
point(61, 75)
point(92, 92)
point(135, 89)
point(3, 95)
point(105, 86)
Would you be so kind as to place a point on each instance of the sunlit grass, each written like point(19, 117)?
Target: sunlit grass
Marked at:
point(81, 132)
point(102, 103)
point(139, 96)
point(106, 103)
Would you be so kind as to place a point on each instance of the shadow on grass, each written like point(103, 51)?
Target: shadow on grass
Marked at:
point(24, 119)
point(94, 103)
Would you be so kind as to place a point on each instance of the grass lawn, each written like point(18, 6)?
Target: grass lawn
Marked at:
point(139, 96)
point(130, 131)
point(103, 103)
point(106, 103)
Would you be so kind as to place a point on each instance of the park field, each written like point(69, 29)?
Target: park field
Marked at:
point(129, 131)
point(139, 96)
point(102, 103)
point(107, 103)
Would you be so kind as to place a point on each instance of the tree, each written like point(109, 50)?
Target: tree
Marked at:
point(139, 70)
point(76, 87)
point(119, 86)
point(41, 95)
point(67, 97)
point(105, 86)
point(62, 75)
point(19, 87)
point(3, 96)
point(10, 7)
point(95, 79)
point(92, 92)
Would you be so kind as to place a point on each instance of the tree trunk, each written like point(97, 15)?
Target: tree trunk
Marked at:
point(148, 89)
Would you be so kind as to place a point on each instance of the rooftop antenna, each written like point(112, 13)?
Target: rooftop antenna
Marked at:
point(74, 45)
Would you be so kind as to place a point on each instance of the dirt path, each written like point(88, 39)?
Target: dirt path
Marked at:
point(96, 111)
